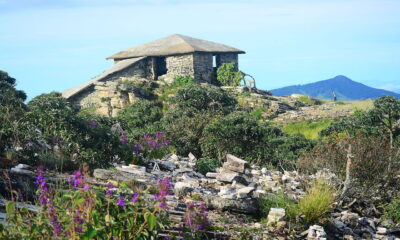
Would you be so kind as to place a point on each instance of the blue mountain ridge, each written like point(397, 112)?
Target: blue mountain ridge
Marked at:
point(344, 88)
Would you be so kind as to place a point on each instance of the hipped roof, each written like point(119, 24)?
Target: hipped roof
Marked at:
point(173, 45)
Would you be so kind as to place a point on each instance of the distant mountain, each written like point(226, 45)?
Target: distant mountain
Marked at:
point(345, 89)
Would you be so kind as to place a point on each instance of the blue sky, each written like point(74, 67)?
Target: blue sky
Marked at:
point(55, 45)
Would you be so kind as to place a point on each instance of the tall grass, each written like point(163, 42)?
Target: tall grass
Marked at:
point(317, 202)
point(309, 129)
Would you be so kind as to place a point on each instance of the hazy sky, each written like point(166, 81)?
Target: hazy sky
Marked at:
point(54, 44)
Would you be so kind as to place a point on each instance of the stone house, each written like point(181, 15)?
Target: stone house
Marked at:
point(159, 60)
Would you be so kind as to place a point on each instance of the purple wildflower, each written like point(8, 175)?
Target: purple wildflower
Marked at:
point(147, 136)
point(86, 187)
point(135, 196)
point(136, 149)
point(57, 228)
point(124, 139)
point(43, 197)
point(93, 124)
point(164, 186)
point(109, 189)
point(159, 134)
point(120, 201)
point(164, 142)
point(196, 217)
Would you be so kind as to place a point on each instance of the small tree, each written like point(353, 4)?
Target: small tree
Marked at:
point(227, 75)
point(12, 111)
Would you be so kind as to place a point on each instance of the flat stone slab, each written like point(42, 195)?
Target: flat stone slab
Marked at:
point(235, 164)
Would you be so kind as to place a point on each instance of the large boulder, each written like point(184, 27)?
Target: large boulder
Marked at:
point(246, 206)
point(230, 178)
point(235, 164)
point(182, 188)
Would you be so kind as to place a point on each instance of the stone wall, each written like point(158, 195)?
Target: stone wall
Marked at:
point(179, 65)
point(227, 58)
point(203, 67)
point(110, 95)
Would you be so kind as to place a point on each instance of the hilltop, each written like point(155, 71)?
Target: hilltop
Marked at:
point(344, 87)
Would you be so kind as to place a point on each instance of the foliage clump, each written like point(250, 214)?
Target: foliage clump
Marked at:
point(392, 211)
point(205, 165)
point(228, 76)
point(317, 202)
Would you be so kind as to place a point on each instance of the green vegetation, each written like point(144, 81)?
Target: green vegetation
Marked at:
point(277, 200)
point(309, 100)
point(227, 75)
point(317, 202)
point(392, 211)
point(171, 89)
point(205, 165)
point(310, 129)
point(85, 212)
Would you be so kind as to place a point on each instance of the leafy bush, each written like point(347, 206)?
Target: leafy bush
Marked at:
point(392, 211)
point(150, 147)
point(12, 112)
point(227, 75)
point(186, 130)
point(192, 109)
point(55, 126)
point(140, 118)
point(205, 165)
point(288, 149)
point(241, 134)
point(317, 202)
point(196, 98)
point(182, 81)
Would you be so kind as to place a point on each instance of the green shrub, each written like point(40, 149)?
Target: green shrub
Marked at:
point(392, 211)
point(186, 130)
point(56, 126)
point(191, 110)
point(140, 118)
point(205, 165)
point(182, 81)
point(227, 75)
point(12, 112)
point(196, 98)
point(317, 202)
point(288, 149)
point(241, 134)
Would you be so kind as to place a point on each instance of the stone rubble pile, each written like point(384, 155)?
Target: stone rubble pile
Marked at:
point(235, 188)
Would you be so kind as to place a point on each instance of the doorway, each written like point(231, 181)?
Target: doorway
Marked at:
point(161, 66)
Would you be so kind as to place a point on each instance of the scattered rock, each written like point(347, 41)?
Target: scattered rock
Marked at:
point(316, 232)
point(275, 215)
